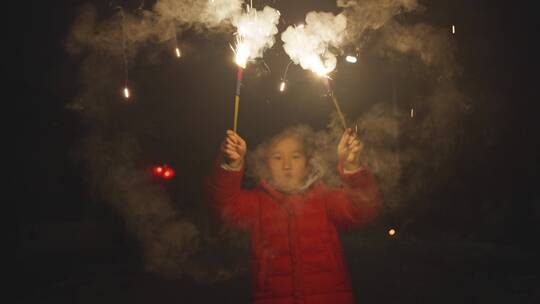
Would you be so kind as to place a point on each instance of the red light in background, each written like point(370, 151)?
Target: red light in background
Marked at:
point(163, 171)
point(158, 170)
point(168, 174)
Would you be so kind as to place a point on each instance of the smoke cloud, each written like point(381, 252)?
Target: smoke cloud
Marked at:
point(309, 45)
point(256, 31)
point(171, 242)
point(165, 20)
point(366, 15)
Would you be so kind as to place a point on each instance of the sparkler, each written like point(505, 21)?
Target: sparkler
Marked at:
point(241, 58)
point(310, 45)
point(255, 32)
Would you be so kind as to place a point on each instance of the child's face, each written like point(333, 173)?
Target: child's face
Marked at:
point(287, 162)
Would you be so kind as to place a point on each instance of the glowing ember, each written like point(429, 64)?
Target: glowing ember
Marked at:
point(392, 232)
point(351, 59)
point(282, 86)
point(126, 92)
point(178, 53)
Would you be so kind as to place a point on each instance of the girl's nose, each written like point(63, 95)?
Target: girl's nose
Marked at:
point(286, 163)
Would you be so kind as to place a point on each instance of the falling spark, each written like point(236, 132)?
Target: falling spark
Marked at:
point(392, 232)
point(178, 53)
point(124, 56)
point(412, 113)
point(126, 92)
point(282, 86)
point(351, 59)
point(453, 29)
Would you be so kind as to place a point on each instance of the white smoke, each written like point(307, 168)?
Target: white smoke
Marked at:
point(310, 45)
point(372, 14)
point(209, 14)
point(256, 31)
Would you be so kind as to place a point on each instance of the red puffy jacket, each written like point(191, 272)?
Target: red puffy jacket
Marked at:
point(295, 248)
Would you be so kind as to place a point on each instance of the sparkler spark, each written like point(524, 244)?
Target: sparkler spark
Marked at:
point(126, 92)
point(242, 53)
point(315, 64)
point(178, 53)
point(392, 232)
point(351, 59)
point(282, 86)
point(453, 29)
point(412, 113)
point(255, 32)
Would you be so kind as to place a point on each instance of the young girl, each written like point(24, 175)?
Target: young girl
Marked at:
point(293, 217)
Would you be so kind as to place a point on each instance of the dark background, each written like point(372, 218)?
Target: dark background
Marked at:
point(477, 243)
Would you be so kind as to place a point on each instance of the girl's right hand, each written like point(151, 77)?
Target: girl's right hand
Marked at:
point(234, 149)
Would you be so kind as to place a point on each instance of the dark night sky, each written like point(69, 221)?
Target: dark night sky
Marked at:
point(59, 217)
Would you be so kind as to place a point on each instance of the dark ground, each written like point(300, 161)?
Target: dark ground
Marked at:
point(390, 270)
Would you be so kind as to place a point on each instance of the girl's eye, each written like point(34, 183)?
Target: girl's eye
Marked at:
point(276, 157)
point(297, 156)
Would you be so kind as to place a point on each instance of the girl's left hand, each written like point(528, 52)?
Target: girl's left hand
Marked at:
point(349, 149)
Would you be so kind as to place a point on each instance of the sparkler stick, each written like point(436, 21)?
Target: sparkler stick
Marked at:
point(330, 94)
point(239, 75)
